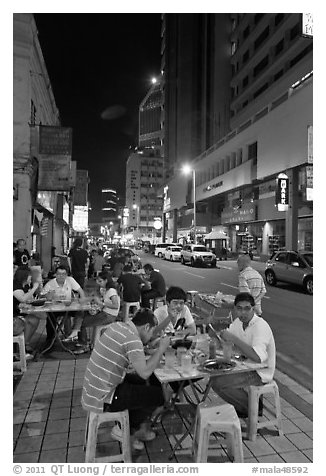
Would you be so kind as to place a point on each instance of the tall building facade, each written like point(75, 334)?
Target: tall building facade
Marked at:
point(41, 213)
point(150, 118)
point(266, 129)
point(143, 210)
point(109, 205)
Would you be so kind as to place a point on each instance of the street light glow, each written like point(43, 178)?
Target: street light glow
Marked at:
point(154, 80)
point(186, 169)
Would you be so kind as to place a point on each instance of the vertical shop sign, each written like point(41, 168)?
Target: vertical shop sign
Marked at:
point(282, 192)
point(310, 145)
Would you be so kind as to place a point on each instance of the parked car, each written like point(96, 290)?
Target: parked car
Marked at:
point(197, 255)
point(173, 253)
point(291, 267)
point(160, 248)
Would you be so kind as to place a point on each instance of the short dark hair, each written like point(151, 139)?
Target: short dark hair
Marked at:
point(21, 276)
point(247, 297)
point(109, 281)
point(127, 267)
point(78, 242)
point(174, 292)
point(63, 267)
point(148, 267)
point(144, 316)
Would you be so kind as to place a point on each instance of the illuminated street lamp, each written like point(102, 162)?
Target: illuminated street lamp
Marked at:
point(187, 169)
point(136, 207)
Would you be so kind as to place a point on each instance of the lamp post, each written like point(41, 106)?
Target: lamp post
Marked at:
point(187, 169)
point(136, 207)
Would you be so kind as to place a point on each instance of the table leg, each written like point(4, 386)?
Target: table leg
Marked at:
point(56, 328)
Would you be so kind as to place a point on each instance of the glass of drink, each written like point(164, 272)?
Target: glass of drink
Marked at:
point(169, 358)
point(227, 350)
point(186, 361)
point(180, 352)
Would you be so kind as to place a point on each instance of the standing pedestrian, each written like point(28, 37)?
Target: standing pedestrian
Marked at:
point(79, 262)
point(21, 255)
point(250, 281)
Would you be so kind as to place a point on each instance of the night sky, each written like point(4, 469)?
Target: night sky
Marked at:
point(96, 62)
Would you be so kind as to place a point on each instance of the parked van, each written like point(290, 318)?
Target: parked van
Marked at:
point(159, 249)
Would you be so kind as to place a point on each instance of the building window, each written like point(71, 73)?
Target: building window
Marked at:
point(261, 66)
point(245, 81)
point(245, 103)
point(246, 32)
point(252, 151)
point(258, 17)
point(278, 75)
point(261, 90)
point(279, 47)
point(233, 47)
point(278, 18)
point(295, 31)
point(245, 57)
point(301, 55)
point(261, 38)
point(33, 113)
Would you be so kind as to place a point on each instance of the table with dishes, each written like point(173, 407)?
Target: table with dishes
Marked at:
point(188, 366)
point(56, 307)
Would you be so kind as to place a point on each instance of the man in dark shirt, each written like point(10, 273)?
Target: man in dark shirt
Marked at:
point(21, 255)
point(78, 261)
point(132, 284)
point(157, 284)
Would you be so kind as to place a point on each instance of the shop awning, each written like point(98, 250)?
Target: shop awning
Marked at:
point(216, 235)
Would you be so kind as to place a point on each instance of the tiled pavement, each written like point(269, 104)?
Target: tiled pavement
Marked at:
point(49, 422)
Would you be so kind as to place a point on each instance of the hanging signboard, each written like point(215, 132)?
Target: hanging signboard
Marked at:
point(54, 173)
point(55, 140)
point(310, 145)
point(282, 192)
point(81, 189)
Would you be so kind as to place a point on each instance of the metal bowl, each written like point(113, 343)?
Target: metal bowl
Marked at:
point(38, 302)
point(181, 343)
point(219, 364)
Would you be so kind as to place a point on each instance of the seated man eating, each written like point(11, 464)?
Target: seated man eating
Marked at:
point(60, 288)
point(175, 315)
point(254, 339)
point(109, 388)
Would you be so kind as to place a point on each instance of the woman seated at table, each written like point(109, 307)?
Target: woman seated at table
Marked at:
point(108, 305)
point(23, 293)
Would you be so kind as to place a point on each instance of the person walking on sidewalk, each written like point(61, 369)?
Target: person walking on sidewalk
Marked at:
point(250, 281)
point(78, 260)
point(107, 386)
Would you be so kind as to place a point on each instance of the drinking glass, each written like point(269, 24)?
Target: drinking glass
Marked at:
point(169, 357)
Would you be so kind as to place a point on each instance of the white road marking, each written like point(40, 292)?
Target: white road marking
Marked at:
point(193, 274)
point(235, 287)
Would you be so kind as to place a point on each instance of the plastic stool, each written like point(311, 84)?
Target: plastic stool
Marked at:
point(20, 340)
point(127, 306)
point(94, 420)
point(217, 418)
point(254, 392)
point(158, 301)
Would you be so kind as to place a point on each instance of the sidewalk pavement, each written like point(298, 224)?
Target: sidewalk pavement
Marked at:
point(49, 422)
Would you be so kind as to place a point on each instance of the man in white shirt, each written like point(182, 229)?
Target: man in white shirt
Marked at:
point(250, 281)
point(175, 315)
point(253, 337)
point(60, 287)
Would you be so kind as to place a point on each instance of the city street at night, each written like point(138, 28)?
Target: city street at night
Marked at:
point(139, 136)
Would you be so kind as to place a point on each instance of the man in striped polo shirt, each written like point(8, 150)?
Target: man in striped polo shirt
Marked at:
point(108, 386)
point(250, 281)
